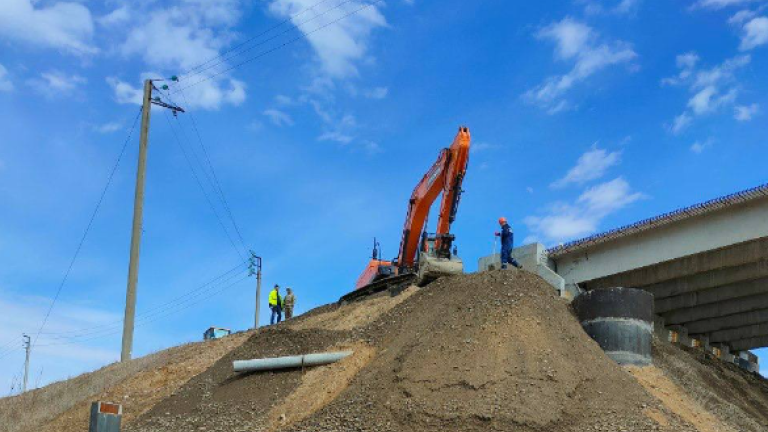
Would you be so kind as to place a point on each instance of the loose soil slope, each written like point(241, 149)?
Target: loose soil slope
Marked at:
point(739, 399)
point(489, 351)
point(138, 384)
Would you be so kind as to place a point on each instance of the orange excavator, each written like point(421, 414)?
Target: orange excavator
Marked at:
point(423, 257)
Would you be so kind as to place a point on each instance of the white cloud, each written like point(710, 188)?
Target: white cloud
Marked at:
point(754, 34)
point(615, 7)
point(376, 93)
point(583, 217)
point(712, 89)
point(722, 73)
point(67, 26)
point(627, 6)
point(699, 146)
point(741, 17)
point(118, 16)
point(182, 37)
point(591, 165)
point(372, 147)
point(720, 4)
point(336, 136)
point(746, 112)
point(709, 99)
point(687, 60)
point(680, 123)
point(283, 100)
point(341, 45)
point(278, 118)
point(108, 127)
point(481, 146)
point(577, 43)
point(124, 92)
point(55, 83)
point(686, 63)
point(5, 83)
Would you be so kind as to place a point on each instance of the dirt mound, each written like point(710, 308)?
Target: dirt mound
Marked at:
point(138, 384)
point(490, 351)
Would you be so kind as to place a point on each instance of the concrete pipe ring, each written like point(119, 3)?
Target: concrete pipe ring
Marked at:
point(620, 320)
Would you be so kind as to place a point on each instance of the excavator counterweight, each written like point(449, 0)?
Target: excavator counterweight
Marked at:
point(423, 257)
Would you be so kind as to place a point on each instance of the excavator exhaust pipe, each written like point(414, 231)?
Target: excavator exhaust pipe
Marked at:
point(431, 268)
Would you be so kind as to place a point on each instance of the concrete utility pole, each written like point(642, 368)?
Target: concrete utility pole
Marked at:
point(138, 212)
point(255, 266)
point(28, 347)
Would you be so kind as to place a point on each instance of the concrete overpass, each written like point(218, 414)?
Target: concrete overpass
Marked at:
point(707, 266)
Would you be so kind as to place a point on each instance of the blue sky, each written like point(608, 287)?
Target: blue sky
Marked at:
point(585, 115)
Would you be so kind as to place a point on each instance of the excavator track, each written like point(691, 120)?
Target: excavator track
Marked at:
point(395, 284)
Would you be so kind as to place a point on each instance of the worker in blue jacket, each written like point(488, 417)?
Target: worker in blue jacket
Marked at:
point(507, 244)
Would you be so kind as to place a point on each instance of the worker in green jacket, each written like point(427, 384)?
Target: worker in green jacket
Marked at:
point(288, 303)
point(276, 304)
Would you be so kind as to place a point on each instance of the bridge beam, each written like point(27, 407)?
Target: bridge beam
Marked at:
point(709, 279)
point(749, 332)
point(727, 322)
point(731, 256)
point(714, 295)
point(727, 307)
point(749, 344)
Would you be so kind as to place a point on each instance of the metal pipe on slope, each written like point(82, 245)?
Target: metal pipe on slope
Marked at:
point(266, 364)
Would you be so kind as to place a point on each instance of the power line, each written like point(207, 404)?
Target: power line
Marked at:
point(215, 177)
point(156, 318)
point(212, 181)
point(249, 40)
point(147, 315)
point(205, 193)
point(283, 45)
point(87, 228)
point(170, 302)
point(9, 351)
point(263, 42)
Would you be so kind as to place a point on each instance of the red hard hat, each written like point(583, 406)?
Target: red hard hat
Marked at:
point(502, 220)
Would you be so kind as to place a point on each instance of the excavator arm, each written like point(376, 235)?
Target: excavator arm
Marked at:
point(445, 176)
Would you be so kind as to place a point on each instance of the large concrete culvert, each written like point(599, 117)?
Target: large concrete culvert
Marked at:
point(620, 320)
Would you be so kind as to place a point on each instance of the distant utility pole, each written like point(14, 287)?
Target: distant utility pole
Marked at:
point(27, 347)
point(138, 211)
point(254, 268)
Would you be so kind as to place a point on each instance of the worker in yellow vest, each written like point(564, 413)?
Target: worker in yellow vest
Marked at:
point(275, 304)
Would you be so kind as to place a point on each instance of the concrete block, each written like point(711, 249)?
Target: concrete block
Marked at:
point(571, 291)
point(660, 329)
point(679, 335)
point(532, 258)
point(105, 417)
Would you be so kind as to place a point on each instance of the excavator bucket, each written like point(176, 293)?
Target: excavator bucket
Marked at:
point(432, 267)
